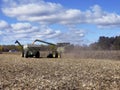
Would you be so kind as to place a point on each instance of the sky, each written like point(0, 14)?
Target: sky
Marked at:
point(75, 21)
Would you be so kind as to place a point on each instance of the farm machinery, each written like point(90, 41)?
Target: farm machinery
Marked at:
point(33, 50)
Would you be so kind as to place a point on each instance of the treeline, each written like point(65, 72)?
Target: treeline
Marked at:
point(107, 43)
point(104, 43)
point(15, 48)
point(7, 48)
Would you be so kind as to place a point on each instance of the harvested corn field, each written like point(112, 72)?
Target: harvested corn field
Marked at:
point(17, 73)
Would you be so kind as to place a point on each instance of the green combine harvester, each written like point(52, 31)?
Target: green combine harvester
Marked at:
point(33, 50)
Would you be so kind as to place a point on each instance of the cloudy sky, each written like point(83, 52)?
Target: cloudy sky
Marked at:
point(74, 21)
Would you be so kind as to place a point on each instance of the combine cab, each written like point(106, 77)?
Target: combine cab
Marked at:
point(33, 50)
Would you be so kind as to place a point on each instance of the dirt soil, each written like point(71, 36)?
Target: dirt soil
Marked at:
point(17, 73)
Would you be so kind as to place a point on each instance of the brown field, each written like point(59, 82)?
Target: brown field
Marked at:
point(67, 73)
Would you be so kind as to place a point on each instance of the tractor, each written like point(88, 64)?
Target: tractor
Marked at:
point(33, 50)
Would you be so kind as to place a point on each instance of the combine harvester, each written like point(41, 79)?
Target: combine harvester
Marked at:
point(33, 50)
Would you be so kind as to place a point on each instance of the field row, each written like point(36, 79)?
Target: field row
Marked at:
point(58, 74)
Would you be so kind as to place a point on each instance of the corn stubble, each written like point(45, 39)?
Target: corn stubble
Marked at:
point(18, 73)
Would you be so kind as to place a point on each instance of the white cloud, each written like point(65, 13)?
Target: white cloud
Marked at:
point(32, 10)
point(14, 3)
point(73, 36)
point(50, 13)
point(27, 32)
point(97, 11)
point(3, 25)
point(104, 19)
point(47, 13)
point(19, 26)
point(41, 12)
point(112, 20)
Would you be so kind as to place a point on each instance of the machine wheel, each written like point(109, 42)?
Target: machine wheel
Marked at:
point(56, 55)
point(37, 55)
point(22, 53)
point(26, 54)
point(50, 55)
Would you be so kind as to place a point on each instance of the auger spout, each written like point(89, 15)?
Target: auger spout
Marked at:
point(44, 42)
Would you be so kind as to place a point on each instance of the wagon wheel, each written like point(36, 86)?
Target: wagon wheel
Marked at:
point(37, 55)
point(22, 53)
point(26, 54)
point(56, 55)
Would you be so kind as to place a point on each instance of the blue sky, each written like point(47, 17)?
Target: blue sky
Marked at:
point(75, 21)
